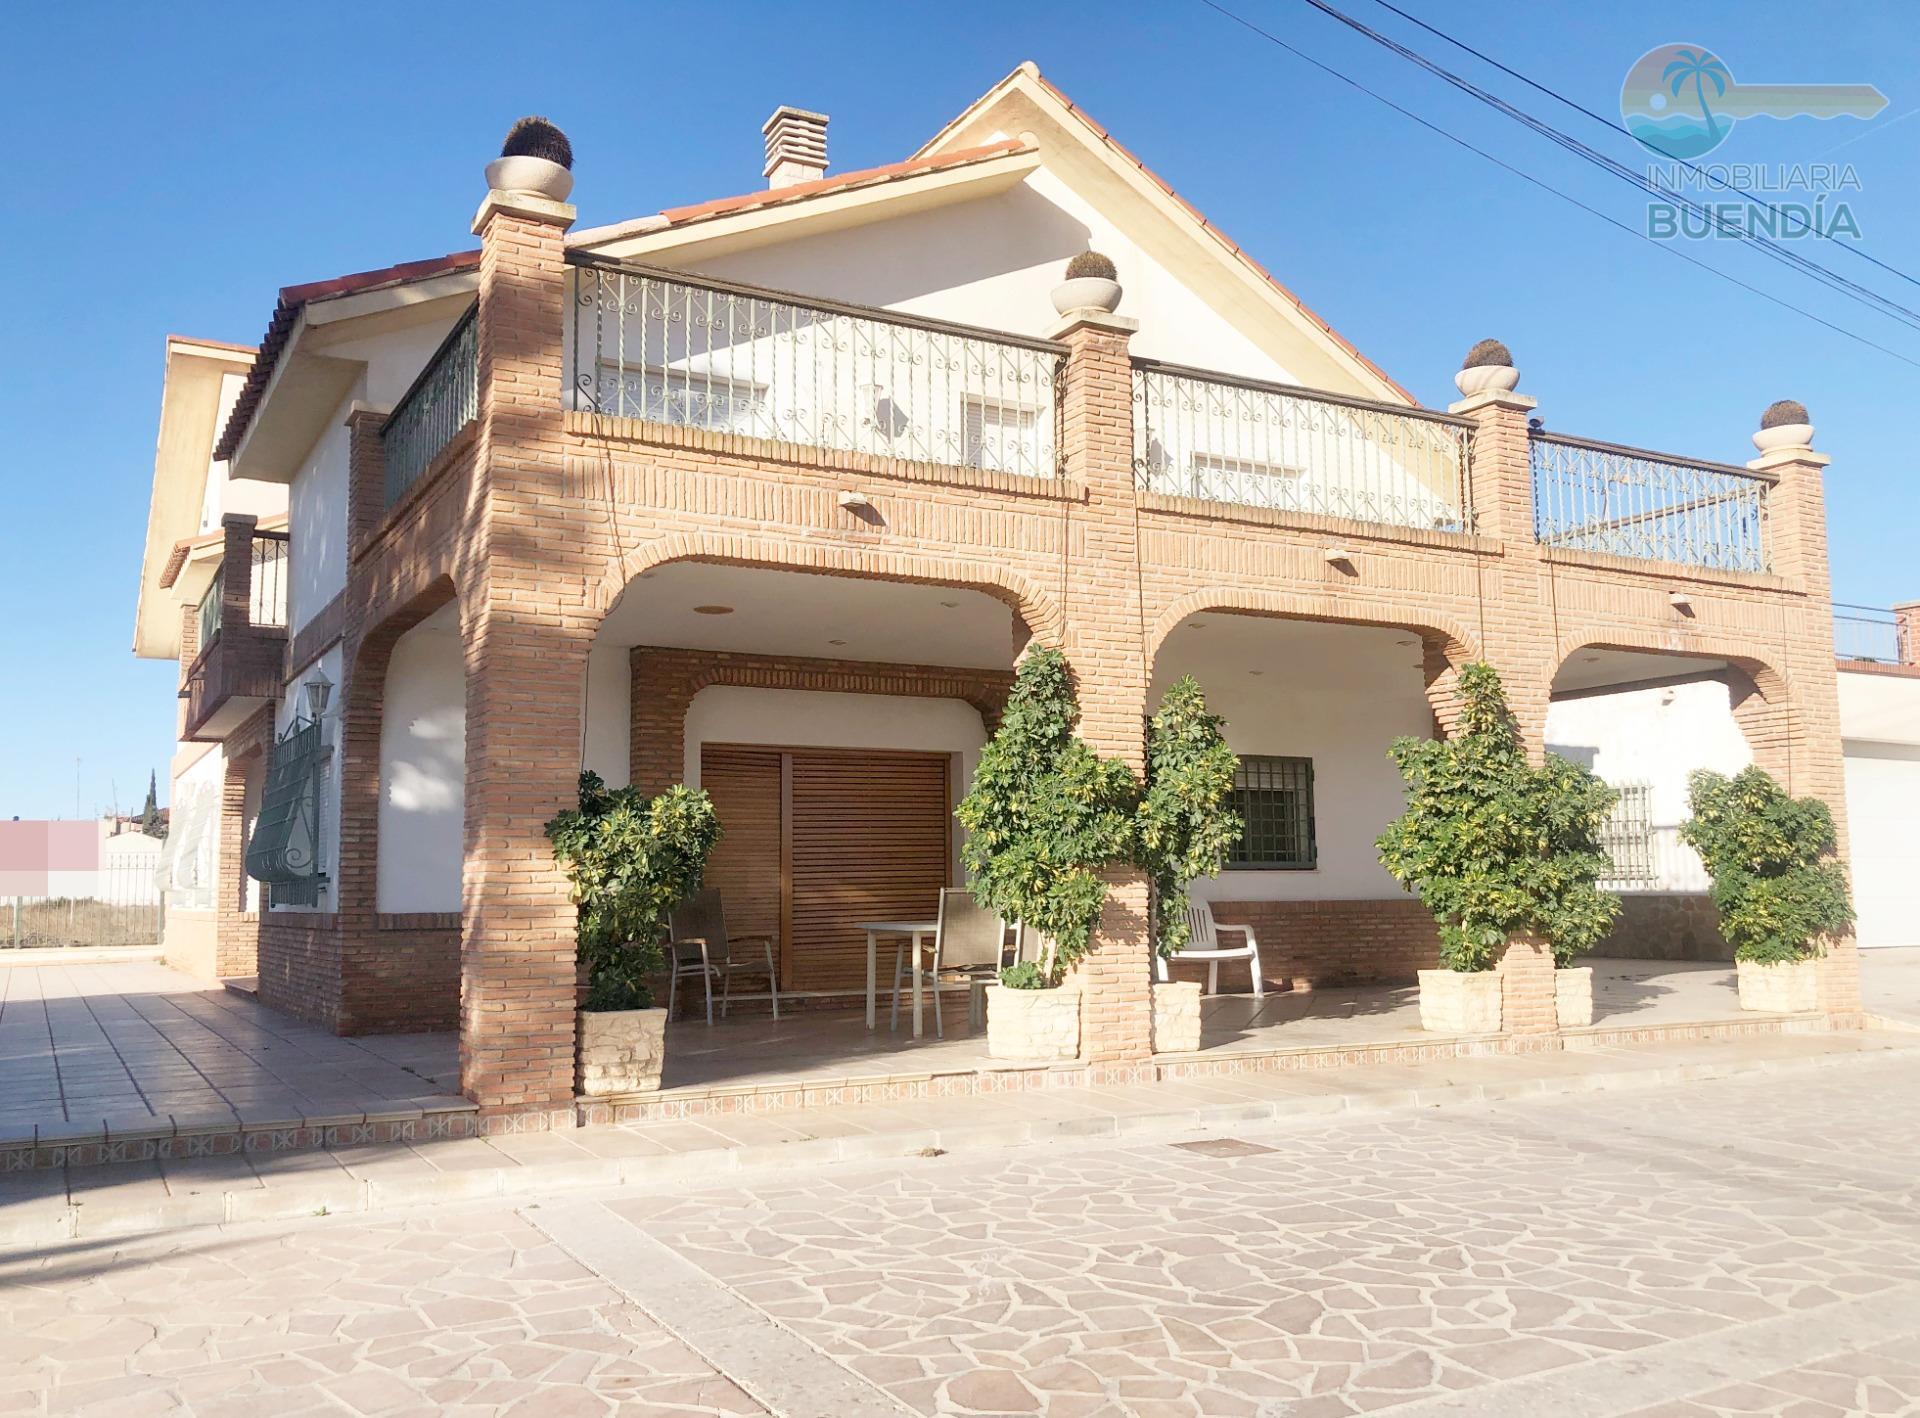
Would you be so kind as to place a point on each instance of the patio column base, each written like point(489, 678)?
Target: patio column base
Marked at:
point(1528, 991)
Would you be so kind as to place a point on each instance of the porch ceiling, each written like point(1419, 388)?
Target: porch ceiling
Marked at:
point(1234, 654)
point(1592, 669)
point(797, 613)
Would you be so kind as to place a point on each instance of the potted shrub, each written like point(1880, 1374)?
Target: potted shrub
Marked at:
point(1044, 817)
point(1090, 285)
point(1488, 365)
point(630, 859)
point(1497, 849)
point(1183, 830)
point(1776, 883)
point(1784, 425)
point(536, 157)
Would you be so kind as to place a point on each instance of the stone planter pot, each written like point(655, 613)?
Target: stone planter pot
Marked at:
point(1780, 989)
point(621, 1050)
point(1176, 1018)
point(1573, 996)
point(541, 176)
point(1784, 435)
point(1460, 1001)
point(1482, 377)
point(1035, 1026)
point(1086, 293)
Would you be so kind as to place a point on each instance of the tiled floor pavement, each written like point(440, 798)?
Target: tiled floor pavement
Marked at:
point(1739, 1247)
point(132, 1043)
point(1890, 983)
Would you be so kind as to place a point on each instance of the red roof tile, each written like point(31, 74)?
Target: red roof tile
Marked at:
point(723, 206)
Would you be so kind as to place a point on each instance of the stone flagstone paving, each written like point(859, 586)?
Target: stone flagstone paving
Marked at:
point(1743, 1247)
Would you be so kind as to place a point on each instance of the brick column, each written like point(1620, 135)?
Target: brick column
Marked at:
point(1527, 999)
point(1106, 646)
point(527, 626)
point(1906, 623)
point(236, 575)
point(1797, 739)
point(366, 476)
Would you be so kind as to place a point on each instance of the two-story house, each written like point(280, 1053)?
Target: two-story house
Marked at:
point(769, 494)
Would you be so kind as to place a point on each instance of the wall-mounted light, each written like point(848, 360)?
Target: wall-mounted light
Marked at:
point(1340, 556)
point(318, 690)
point(855, 501)
point(1681, 602)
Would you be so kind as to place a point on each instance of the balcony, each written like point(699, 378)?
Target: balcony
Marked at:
point(442, 401)
point(671, 349)
point(242, 640)
point(1870, 635)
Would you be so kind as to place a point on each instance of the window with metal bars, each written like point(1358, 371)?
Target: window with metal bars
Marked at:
point(285, 850)
point(1627, 834)
point(1274, 797)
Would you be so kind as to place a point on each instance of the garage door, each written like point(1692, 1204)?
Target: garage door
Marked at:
point(818, 840)
point(1883, 828)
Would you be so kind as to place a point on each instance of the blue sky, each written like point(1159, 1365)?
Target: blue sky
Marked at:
point(172, 166)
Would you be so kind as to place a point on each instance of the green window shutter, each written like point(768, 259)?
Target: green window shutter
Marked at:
point(285, 850)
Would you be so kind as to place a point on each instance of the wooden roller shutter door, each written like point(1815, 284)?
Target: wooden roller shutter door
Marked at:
point(851, 835)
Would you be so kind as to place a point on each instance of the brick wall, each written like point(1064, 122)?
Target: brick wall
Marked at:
point(1666, 926)
point(1322, 944)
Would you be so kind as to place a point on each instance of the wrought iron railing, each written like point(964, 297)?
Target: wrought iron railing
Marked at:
point(444, 399)
point(1870, 633)
point(1629, 502)
point(671, 348)
point(267, 593)
point(1223, 439)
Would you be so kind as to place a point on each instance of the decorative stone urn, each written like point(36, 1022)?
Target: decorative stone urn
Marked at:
point(1488, 366)
point(1573, 996)
point(1176, 1017)
point(539, 176)
point(1784, 425)
point(1460, 1001)
point(1790, 988)
point(1033, 1026)
point(1091, 284)
point(621, 1050)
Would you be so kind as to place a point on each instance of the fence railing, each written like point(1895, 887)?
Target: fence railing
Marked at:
point(1212, 436)
point(1870, 633)
point(678, 349)
point(444, 399)
point(267, 594)
point(1602, 497)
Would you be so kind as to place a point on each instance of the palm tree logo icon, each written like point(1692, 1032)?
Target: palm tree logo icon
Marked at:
point(1700, 66)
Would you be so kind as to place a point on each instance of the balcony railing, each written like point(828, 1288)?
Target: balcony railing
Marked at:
point(1628, 502)
point(266, 594)
point(1212, 436)
point(1872, 634)
point(676, 349)
point(443, 400)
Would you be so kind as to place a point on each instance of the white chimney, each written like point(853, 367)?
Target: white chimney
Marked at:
point(796, 146)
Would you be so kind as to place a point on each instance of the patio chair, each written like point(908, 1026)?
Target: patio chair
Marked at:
point(968, 945)
point(699, 945)
point(1204, 944)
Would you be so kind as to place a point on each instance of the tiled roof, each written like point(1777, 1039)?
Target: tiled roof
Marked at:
point(287, 309)
point(723, 206)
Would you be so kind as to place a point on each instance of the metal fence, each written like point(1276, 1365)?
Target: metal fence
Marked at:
point(1868, 633)
point(1211, 436)
point(444, 399)
point(678, 349)
point(121, 906)
point(1629, 502)
point(267, 596)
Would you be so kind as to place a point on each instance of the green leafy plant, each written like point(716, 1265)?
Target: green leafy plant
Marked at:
point(1494, 845)
point(1485, 353)
point(536, 137)
point(1783, 411)
point(1027, 975)
point(1045, 815)
point(1185, 825)
point(631, 860)
point(1776, 882)
point(1091, 263)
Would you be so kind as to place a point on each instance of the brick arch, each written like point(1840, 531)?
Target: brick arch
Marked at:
point(1446, 645)
point(1034, 609)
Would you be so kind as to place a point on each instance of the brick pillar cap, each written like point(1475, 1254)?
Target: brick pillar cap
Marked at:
point(1786, 457)
point(1906, 605)
point(1493, 399)
point(239, 519)
point(1093, 319)
point(528, 205)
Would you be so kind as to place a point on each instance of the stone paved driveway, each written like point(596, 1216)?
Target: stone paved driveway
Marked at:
point(1743, 1247)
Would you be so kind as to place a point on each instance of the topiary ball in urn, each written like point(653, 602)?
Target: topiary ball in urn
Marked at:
point(1092, 284)
point(537, 158)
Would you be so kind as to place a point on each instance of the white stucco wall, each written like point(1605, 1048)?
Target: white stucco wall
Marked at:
point(423, 770)
point(609, 694)
point(1880, 736)
point(191, 851)
point(317, 524)
point(221, 496)
point(291, 705)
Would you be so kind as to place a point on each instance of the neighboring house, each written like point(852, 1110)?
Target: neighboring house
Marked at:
point(769, 493)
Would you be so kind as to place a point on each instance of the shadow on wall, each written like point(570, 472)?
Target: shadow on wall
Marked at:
point(1666, 925)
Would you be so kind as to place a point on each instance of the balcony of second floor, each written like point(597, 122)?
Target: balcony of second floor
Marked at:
point(241, 637)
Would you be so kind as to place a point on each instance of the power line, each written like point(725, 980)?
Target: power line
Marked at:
point(1528, 177)
point(1706, 174)
point(1805, 265)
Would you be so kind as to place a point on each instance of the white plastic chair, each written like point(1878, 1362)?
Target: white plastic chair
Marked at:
point(968, 944)
point(701, 946)
point(1203, 943)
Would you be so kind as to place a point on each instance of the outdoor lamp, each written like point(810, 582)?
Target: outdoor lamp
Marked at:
point(319, 689)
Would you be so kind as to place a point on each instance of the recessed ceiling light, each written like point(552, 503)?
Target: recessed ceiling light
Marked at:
point(836, 642)
point(1591, 659)
point(1256, 672)
point(1196, 625)
point(713, 610)
point(1403, 642)
point(950, 604)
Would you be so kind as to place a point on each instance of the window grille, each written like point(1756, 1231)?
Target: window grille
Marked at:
point(1274, 797)
point(285, 850)
point(1627, 835)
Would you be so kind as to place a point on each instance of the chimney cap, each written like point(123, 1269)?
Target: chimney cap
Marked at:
point(787, 110)
point(796, 146)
